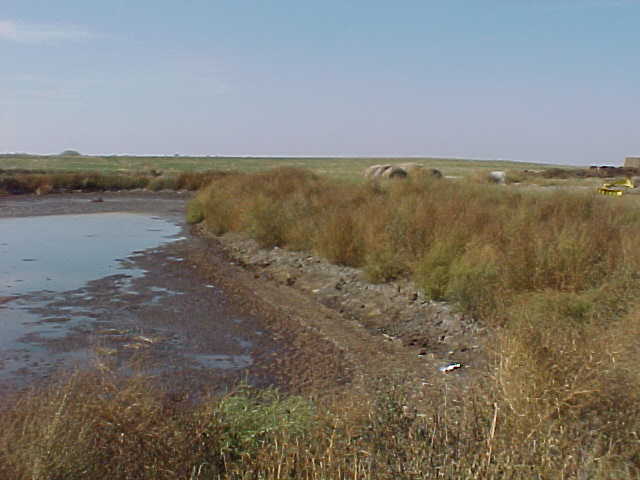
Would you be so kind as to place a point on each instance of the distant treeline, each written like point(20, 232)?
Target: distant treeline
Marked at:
point(595, 171)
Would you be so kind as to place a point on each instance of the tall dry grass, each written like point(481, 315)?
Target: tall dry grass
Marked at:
point(477, 245)
point(554, 273)
point(98, 426)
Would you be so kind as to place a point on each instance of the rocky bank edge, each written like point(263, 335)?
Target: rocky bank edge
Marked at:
point(380, 329)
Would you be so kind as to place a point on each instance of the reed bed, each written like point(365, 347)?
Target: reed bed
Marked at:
point(42, 183)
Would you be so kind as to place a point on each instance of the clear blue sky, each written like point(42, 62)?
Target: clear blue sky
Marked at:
point(541, 80)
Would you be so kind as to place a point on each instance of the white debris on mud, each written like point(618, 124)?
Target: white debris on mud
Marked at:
point(397, 310)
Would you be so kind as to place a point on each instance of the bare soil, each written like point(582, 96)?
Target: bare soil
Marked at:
point(383, 329)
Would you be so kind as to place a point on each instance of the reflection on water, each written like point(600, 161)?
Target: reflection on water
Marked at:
point(226, 362)
point(63, 252)
point(43, 255)
point(73, 289)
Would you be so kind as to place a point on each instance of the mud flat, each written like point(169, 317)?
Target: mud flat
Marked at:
point(382, 331)
point(125, 296)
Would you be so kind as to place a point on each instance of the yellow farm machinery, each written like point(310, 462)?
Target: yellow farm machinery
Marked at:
point(616, 188)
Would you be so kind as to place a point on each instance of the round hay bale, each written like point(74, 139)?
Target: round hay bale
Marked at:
point(375, 171)
point(394, 172)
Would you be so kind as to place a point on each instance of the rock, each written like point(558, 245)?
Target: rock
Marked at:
point(410, 167)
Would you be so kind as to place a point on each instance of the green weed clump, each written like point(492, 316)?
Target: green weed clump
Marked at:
point(195, 212)
point(251, 419)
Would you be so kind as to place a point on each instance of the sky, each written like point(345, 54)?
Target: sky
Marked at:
point(554, 81)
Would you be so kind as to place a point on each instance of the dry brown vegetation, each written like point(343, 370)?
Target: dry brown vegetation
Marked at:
point(452, 237)
point(554, 274)
point(24, 182)
point(96, 426)
point(560, 176)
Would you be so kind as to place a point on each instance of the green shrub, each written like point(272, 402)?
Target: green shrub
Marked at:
point(251, 418)
point(338, 237)
point(218, 209)
point(433, 271)
point(195, 211)
point(383, 265)
point(474, 281)
point(266, 221)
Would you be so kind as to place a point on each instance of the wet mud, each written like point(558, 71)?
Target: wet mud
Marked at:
point(156, 315)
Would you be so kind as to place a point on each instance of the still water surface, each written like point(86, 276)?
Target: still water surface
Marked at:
point(63, 252)
point(41, 257)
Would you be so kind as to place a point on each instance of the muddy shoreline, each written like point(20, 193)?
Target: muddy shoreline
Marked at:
point(297, 322)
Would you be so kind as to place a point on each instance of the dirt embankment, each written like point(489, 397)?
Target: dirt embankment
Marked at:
point(384, 329)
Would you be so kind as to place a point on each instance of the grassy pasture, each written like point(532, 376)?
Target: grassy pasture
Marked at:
point(349, 168)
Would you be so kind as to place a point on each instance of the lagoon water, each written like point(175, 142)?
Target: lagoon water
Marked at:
point(63, 252)
point(41, 257)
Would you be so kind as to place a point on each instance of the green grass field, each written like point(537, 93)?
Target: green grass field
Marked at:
point(335, 167)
